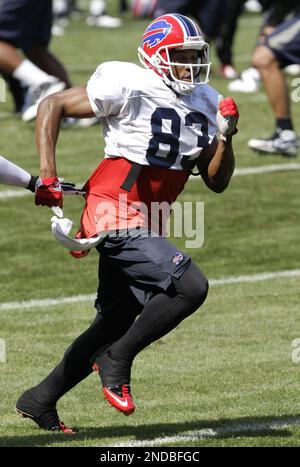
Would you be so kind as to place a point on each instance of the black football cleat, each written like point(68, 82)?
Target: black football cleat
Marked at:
point(45, 417)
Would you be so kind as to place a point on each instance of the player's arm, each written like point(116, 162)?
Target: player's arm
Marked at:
point(216, 162)
point(73, 102)
point(14, 175)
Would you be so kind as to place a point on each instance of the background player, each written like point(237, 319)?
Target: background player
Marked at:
point(277, 50)
point(26, 25)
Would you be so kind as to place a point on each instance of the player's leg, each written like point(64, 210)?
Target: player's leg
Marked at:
point(225, 38)
point(209, 14)
point(12, 62)
point(46, 61)
point(117, 308)
point(162, 314)
point(164, 7)
point(18, 21)
point(38, 53)
point(265, 61)
point(281, 48)
point(17, 90)
point(20, 28)
point(10, 59)
point(172, 288)
point(99, 17)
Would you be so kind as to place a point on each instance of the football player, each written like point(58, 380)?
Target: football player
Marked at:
point(26, 25)
point(277, 50)
point(159, 122)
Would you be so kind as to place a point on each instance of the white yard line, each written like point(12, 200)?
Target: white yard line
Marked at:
point(42, 303)
point(19, 193)
point(215, 433)
point(265, 276)
point(266, 169)
point(7, 194)
point(45, 302)
point(263, 169)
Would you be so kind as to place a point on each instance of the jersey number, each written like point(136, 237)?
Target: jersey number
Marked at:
point(172, 139)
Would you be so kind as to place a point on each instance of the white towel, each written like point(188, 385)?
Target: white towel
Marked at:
point(61, 227)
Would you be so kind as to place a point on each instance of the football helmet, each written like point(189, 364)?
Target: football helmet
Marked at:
point(175, 32)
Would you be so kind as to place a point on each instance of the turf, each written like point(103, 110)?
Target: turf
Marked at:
point(225, 376)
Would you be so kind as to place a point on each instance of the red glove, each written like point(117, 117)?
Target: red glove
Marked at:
point(227, 116)
point(48, 192)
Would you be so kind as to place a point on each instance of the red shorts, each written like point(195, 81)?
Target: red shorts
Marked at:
point(109, 207)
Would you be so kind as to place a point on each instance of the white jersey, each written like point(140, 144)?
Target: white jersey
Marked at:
point(146, 122)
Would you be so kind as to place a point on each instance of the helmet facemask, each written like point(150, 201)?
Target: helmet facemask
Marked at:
point(162, 63)
point(198, 70)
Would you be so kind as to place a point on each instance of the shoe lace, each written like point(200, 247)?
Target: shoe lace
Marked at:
point(126, 390)
point(275, 135)
point(121, 391)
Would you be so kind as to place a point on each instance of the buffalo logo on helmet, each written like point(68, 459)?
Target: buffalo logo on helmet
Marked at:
point(156, 33)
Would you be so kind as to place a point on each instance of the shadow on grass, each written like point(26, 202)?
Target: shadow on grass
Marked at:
point(196, 429)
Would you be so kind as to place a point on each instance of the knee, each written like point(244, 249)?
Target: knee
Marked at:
point(196, 295)
point(193, 288)
point(263, 58)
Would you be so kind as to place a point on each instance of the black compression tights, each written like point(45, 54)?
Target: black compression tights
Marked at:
point(129, 336)
point(76, 363)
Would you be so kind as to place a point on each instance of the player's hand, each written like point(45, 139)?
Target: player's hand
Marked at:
point(48, 192)
point(227, 116)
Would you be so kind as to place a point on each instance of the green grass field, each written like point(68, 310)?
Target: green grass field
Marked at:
point(225, 376)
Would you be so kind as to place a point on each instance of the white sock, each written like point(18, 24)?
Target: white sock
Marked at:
point(31, 75)
point(97, 7)
point(11, 174)
point(60, 7)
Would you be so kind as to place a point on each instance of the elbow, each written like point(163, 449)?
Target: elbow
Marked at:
point(219, 180)
point(50, 103)
point(219, 186)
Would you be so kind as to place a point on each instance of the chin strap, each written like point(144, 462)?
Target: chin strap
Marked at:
point(182, 89)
